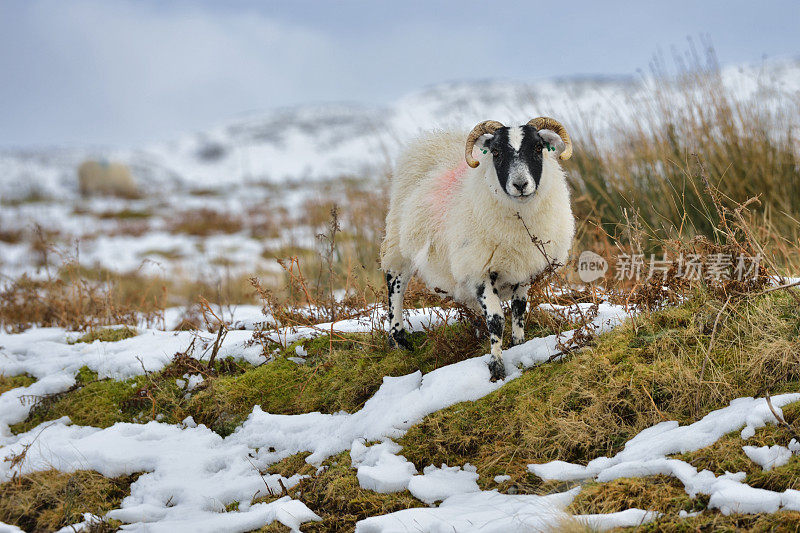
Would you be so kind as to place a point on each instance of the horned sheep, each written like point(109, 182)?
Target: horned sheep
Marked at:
point(479, 222)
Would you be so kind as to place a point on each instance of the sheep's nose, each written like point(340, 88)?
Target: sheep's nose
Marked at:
point(519, 186)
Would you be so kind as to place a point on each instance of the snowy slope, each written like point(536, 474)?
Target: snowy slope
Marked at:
point(192, 474)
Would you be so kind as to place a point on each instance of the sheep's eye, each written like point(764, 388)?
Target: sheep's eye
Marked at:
point(496, 152)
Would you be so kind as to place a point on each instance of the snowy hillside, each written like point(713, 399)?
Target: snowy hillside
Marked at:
point(190, 478)
point(328, 141)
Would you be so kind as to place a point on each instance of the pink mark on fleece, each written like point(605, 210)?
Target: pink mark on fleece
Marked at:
point(446, 185)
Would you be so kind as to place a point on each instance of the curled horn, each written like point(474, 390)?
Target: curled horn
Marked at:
point(547, 123)
point(487, 126)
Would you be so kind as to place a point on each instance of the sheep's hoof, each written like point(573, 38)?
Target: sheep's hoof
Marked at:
point(497, 370)
point(399, 340)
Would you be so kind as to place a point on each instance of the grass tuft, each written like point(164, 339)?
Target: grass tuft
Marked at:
point(655, 493)
point(205, 222)
point(12, 382)
point(50, 500)
point(107, 335)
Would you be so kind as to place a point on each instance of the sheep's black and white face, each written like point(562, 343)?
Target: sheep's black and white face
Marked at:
point(517, 154)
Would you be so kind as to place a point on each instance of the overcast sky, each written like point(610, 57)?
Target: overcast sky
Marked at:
point(115, 72)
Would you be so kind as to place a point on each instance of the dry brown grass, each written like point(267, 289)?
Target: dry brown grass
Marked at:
point(655, 493)
point(346, 255)
point(72, 301)
point(749, 149)
point(80, 298)
point(205, 222)
point(11, 236)
point(667, 496)
point(50, 500)
point(12, 382)
point(780, 522)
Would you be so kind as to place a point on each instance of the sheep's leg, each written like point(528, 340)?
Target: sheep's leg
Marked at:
point(489, 301)
point(396, 283)
point(519, 304)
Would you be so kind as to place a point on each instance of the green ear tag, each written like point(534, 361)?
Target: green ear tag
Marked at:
point(484, 151)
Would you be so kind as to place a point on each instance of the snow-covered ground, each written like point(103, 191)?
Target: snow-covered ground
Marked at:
point(192, 474)
point(159, 234)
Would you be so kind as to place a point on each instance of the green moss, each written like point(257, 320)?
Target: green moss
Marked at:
point(12, 382)
point(340, 373)
point(294, 464)
point(107, 335)
point(92, 403)
point(337, 376)
point(85, 375)
point(102, 403)
point(232, 507)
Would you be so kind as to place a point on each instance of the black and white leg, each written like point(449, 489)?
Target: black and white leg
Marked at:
point(396, 283)
point(489, 300)
point(519, 304)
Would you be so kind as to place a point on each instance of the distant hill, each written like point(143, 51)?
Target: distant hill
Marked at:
point(327, 141)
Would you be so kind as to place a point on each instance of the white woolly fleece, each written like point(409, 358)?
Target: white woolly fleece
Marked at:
point(453, 232)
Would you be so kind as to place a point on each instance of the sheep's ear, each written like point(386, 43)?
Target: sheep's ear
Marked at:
point(553, 140)
point(481, 147)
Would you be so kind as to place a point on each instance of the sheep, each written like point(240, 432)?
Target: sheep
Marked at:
point(479, 230)
point(104, 178)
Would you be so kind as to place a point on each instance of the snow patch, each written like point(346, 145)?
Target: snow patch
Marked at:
point(645, 455)
point(493, 512)
point(436, 484)
point(190, 474)
point(379, 468)
point(768, 457)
